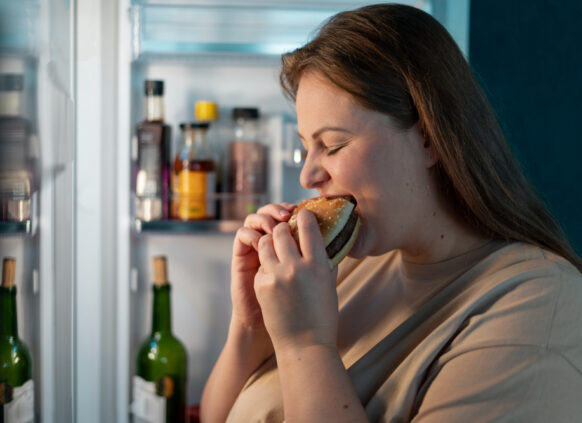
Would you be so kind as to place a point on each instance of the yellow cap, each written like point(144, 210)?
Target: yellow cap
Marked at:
point(205, 111)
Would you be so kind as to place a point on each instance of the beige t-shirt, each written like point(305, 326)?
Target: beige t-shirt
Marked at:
point(492, 335)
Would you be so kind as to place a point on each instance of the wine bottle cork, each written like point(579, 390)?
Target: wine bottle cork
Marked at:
point(8, 272)
point(160, 271)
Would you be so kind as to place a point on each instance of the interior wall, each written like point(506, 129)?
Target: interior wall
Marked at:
point(527, 56)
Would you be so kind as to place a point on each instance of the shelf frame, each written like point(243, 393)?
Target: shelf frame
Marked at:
point(16, 228)
point(187, 227)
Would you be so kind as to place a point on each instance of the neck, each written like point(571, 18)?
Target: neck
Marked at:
point(162, 315)
point(442, 239)
point(8, 319)
point(440, 233)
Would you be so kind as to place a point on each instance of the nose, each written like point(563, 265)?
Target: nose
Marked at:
point(313, 175)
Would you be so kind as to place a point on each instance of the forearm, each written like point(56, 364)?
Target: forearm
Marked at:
point(243, 352)
point(316, 387)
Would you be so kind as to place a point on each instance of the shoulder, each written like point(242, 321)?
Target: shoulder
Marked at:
point(517, 349)
point(530, 298)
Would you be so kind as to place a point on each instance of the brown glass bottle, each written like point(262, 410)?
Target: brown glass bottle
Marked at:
point(152, 174)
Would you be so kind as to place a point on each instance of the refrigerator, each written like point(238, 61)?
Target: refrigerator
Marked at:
point(84, 269)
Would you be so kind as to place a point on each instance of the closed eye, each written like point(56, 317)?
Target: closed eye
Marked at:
point(332, 150)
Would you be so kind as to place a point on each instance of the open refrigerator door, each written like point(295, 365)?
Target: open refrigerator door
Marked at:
point(36, 194)
point(83, 249)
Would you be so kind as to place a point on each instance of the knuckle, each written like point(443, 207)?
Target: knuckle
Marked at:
point(264, 240)
point(289, 273)
point(279, 229)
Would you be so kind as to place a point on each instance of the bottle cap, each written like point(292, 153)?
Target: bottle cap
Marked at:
point(205, 111)
point(154, 87)
point(11, 82)
point(245, 113)
point(194, 125)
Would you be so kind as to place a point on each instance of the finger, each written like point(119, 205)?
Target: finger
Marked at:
point(280, 212)
point(285, 246)
point(288, 206)
point(260, 222)
point(267, 255)
point(310, 239)
point(246, 239)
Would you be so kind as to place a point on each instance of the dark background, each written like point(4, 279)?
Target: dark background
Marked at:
point(528, 57)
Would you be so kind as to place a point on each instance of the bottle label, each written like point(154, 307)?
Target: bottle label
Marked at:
point(148, 406)
point(17, 403)
point(194, 200)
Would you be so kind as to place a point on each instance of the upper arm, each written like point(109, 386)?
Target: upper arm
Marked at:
point(506, 383)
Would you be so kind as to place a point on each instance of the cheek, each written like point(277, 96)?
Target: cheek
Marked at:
point(353, 167)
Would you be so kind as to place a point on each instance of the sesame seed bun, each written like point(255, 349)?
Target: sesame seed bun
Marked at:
point(338, 223)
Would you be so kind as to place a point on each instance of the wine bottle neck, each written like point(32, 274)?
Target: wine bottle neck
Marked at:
point(162, 313)
point(8, 319)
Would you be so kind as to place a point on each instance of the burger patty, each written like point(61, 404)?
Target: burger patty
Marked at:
point(339, 241)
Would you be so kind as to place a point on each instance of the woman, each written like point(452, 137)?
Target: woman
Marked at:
point(461, 299)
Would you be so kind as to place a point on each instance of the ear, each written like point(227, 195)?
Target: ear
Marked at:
point(430, 154)
point(425, 145)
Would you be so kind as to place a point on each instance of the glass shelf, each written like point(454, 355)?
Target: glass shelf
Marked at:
point(183, 30)
point(177, 226)
point(19, 26)
point(240, 30)
point(16, 228)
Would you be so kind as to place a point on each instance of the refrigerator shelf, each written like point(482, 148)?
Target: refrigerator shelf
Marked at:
point(187, 30)
point(19, 28)
point(16, 228)
point(178, 226)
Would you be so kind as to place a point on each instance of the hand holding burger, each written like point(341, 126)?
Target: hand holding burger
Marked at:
point(294, 286)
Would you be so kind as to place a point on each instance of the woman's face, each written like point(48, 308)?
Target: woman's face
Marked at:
point(360, 152)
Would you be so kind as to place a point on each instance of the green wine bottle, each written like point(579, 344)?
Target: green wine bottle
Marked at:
point(159, 388)
point(16, 385)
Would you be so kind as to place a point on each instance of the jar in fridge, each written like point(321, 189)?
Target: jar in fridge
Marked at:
point(246, 166)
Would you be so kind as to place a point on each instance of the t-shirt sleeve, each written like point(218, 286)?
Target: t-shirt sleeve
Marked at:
point(506, 383)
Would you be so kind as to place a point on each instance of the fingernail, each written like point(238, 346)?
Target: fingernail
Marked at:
point(283, 213)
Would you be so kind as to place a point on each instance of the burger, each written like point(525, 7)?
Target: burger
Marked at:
point(338, 223)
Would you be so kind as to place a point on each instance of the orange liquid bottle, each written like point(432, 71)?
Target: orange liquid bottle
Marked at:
point(194, 175)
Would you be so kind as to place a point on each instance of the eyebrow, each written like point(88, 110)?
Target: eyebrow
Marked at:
point(325, 129)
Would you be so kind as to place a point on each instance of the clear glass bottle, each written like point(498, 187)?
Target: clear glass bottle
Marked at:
point(160, 382)
point(194, 176)
point(16, 167)
point(16, 384)
point(247, 165)
point(207, 112)
point(152, 174)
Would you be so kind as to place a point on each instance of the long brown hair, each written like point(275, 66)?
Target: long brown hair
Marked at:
point(400, 61)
